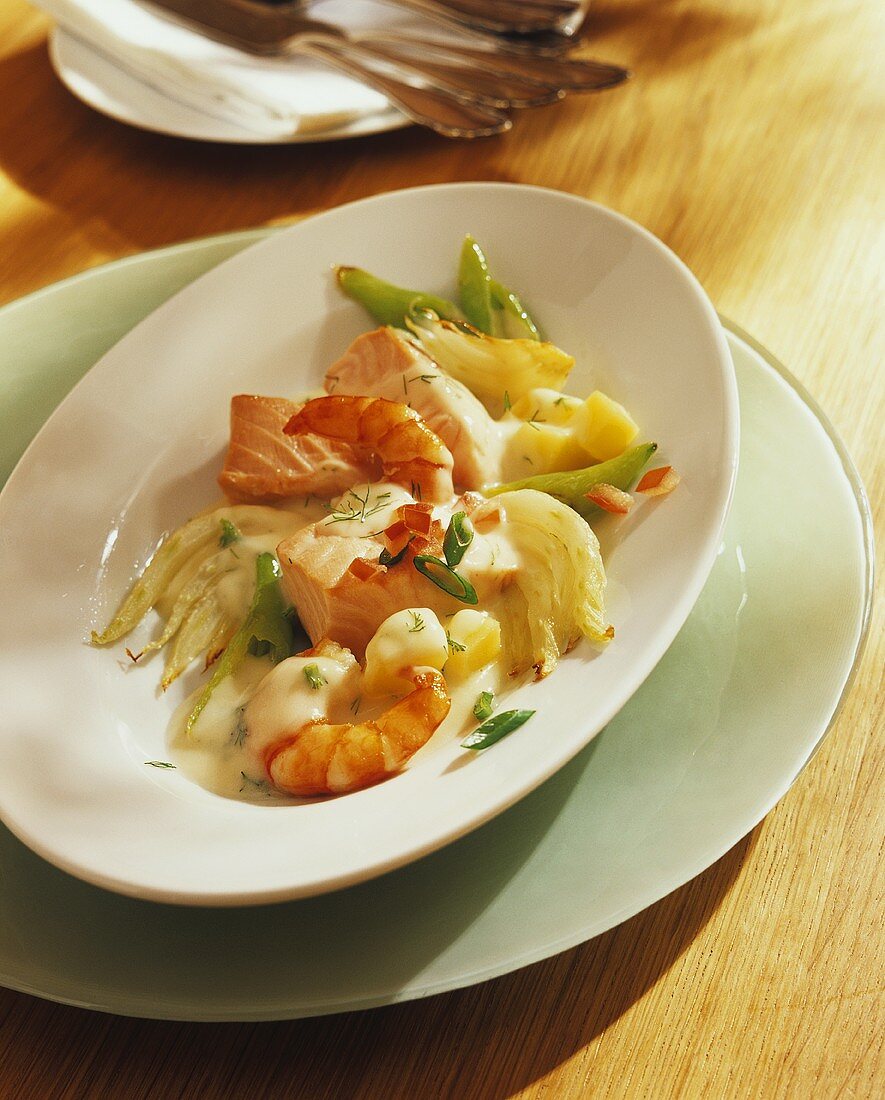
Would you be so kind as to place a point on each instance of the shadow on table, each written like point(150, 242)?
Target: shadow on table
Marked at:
point(490, 1040)
point(118, 183)
point(125, 188)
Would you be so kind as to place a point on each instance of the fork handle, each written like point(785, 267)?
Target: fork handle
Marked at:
point(444, 112)
point(498, 16)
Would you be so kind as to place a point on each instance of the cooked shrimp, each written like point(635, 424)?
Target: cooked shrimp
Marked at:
point(409, 452)
point(324, 758)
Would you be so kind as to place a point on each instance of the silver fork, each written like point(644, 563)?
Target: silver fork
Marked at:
point(508, 17)
point(445, 91)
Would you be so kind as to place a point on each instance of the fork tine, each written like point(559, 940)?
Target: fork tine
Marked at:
point(498, 89)
point(566, 73)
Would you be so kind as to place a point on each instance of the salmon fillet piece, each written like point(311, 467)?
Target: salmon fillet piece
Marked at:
point(334, 602)
point(385, 363)
point(264, 464)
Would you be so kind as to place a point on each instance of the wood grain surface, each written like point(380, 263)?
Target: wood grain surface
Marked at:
point(750, 140)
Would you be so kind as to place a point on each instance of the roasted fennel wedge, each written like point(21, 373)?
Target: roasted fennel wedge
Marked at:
point(200, 580)
point(558, 596)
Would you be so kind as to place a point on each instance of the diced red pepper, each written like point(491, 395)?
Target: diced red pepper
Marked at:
point(610, 498)
point(659, 482)
point(487, 521)
point(365, 570)
point(397, 536)
point(417, 517)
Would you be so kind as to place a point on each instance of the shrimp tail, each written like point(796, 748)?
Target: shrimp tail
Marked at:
point(409, 452)
point(323, 758)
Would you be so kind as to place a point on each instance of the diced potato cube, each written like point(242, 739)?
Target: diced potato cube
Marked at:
point(546, 406)
point(603, 427)
point(474, 641)
point(544, 448)
point(409, 639)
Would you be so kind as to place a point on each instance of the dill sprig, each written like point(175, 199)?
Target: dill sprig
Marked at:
point(359, 507)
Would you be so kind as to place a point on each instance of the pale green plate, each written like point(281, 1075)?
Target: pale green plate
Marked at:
point(700, 754)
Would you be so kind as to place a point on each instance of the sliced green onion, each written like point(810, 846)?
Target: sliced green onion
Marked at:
point(388, 559)
point(484, 706)
point(229, 534)
point(459, 535)
point(496, 728)
point(314, 677)
point(444, 577)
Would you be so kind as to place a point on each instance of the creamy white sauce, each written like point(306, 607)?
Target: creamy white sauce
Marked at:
point(364, 510)
point(261, 705)
point(298, 691)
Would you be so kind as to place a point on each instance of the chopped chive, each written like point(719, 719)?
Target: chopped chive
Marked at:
point(496, 728)
point(229, 534)
point(388, 559)
point(444, 577)
point(459, 535)
point(484, 706)
point(250, 784)
point(240, 732)
point(314, 677)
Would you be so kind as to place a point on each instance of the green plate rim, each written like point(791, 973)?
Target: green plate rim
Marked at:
point(548, 950)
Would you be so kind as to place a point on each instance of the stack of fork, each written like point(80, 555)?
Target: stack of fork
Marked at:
point(460, 69)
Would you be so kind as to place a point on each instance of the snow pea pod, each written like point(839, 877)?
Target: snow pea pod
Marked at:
point(389, 304)
point(516, 322)
point(474, 287)
point(570, 486)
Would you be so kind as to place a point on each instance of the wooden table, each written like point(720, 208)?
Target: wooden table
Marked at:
point(749, 141)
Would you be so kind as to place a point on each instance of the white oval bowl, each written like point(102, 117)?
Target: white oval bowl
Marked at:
point(134, 450)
